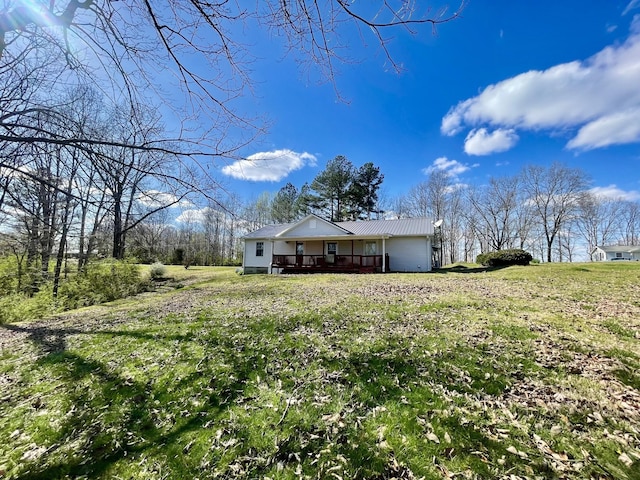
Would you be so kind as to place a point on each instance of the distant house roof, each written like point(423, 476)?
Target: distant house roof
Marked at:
point(619, 248)
point(405, 227)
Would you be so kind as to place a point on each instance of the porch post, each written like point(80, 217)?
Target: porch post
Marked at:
point(384, 255)
point(271, 262)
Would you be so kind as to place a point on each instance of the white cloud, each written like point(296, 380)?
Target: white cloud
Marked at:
point(194, 216)
point(617, 128)
point(156, 198)
point(481, 142)
point(453, 168)
point(269, 166)
point(455, 187)
point(633, 4)
point(612, 192)
point(581, 94)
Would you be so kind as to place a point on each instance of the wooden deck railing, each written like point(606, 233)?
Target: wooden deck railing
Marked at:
point(328, 262)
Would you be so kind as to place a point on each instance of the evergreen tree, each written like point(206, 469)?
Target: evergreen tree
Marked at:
point(285, 206)
point(364, 191)
point(331, 187)
point(304, 202)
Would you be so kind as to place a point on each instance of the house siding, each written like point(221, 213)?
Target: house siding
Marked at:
point(412, 254)
point(251, 261)
point(607, 254)
point(311, 247)
point(307, 229)
point(407, 242)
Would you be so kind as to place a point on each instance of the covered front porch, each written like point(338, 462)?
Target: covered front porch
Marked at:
point(330, 263)
point(308, 255)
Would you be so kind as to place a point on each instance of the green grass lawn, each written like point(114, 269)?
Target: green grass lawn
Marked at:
point(522, 372)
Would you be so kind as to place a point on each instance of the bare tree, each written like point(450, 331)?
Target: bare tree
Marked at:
point(258, 212)
point(396, 207)
point(598, 220)
point(214, 228)
point(524, 223)
point(630, 215)
point(431, 199)
point(494, 209)
point(123, 171)
point(554, 194)
point(146, 237)
point(129, 41)
point(455, 226)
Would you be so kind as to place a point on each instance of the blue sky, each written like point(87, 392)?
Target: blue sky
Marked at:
point(506, 84)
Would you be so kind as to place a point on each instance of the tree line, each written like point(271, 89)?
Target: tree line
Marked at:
point(83, 205)
point(338, 193)
point(86, 163)
point(549, 211)
point(87, 166)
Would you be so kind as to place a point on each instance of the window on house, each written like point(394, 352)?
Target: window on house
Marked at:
point(618, 254)
point(332, 248)
point(370, 248)
point(259, 249)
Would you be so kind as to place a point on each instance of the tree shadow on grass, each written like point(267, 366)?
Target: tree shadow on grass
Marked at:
point(400, 388)
point(466, 269)
point(111, 416)
point(116, 417)
point(54, 339)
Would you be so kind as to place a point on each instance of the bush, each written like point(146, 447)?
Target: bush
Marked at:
point(8, 276)
point(157, 271)
point(18, 307)
point(101, 282)
point(502, 258)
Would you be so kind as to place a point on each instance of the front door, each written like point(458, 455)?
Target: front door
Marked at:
point(332, 251)
point(299, 253)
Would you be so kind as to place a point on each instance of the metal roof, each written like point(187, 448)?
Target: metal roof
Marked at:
point(619, 248)
point(404, 227)
point(400, 227)
point(269, 231)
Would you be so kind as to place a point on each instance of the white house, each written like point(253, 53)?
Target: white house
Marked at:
point(616, 252)
point(317, 245)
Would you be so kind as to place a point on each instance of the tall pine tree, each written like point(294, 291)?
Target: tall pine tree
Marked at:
point(331, 197)
point(364, 191)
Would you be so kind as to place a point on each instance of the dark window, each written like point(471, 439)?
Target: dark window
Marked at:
point(370, 248)
point(259, 249)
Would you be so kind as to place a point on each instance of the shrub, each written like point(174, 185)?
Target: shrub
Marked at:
point(502, 258)
point(157, 271)
point(8, 276)
point(18, 307)
point(101, 282)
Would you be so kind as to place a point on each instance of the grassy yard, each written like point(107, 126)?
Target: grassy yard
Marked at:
point(524, 372)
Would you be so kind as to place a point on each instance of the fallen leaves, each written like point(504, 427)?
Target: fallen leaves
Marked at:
point(515, 451)
point(624, 458)
point(396, 376)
